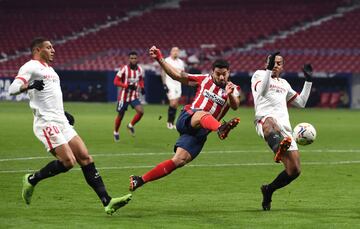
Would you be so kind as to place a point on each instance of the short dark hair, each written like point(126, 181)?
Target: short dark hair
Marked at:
point(37, 42)
point(220, 63)
point(133, 53)
point(268, 57)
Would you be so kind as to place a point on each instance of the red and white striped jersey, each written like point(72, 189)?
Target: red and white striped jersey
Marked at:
point(210, 97)
point(127, 77)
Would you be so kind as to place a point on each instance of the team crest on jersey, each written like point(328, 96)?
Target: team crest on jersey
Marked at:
point(214, 97)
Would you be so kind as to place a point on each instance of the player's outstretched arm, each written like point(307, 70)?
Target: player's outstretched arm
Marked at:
point(18, 86)
point(175, 74)
point(265, 84)
point(301, 100)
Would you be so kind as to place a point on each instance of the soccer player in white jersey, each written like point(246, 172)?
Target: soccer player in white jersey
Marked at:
point(271, 95)
point(39, 80)
point(172, 87)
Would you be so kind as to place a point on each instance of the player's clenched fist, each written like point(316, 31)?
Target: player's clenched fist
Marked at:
point(229, 88)
point(155, 53)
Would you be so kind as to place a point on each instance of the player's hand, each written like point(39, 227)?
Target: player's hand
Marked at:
point(70, 118)
point(36, 84)
point(271, 61)
point(143, 91)
point(155, 53)
point(308, 70)
point(229, 88)
point(166, 89)
point(126, 86)
point(131, 87)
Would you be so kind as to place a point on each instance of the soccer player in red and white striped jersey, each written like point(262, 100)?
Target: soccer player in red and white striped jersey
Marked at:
point(215, 95)
point(130, 81)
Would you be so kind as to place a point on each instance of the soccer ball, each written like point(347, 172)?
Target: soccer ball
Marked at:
point(304, 133)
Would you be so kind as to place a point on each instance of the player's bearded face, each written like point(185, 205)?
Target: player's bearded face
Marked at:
point(220, 76)
point(47, 52)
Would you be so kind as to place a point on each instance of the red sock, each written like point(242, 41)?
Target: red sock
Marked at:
point(136, 118)
point(161, 170)
point(117, 123)
point(209, 122)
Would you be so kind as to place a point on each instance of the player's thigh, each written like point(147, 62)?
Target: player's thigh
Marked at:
point(181, 157)
point(270, 125)
point(121, 107)
point(137, 106)
point(80, 151)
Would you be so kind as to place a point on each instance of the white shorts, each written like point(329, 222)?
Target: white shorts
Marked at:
point(53, 134)
point(174, 91)
point(285, 130)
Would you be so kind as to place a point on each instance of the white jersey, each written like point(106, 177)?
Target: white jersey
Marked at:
point(48, 103)
point(178, 64)
point(274, 101)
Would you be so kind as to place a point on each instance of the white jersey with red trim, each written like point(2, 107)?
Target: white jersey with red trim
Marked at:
point(274, 101)
point(47, 103)
point(210, 97)
point(179, 65)
point(130, 77)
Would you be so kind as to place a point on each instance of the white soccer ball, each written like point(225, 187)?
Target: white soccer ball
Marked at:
point(304, 133)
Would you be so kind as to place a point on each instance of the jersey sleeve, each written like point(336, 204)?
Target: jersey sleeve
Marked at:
point(195, 79)
point(256, 81)
point(291, 94)
point(25, 73)
point(121, 72)
point(23, 77)
point(141, 78)
point(119, 78)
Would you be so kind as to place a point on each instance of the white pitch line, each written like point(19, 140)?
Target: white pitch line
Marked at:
point(201, 165)
point(170, 152)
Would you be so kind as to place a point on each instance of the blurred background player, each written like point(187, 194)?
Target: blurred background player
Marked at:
point(271, 95)
point(51, 127)
point(215, 95)
point(172, 87)
point(130, 80)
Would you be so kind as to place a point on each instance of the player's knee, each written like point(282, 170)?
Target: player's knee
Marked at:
point(295, 171)
point(179, 162)
point(69, 163)
point(85, 159)
point(182, 160)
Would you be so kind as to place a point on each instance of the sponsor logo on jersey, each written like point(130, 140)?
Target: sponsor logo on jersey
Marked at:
point(277, 88)
point(214, 97)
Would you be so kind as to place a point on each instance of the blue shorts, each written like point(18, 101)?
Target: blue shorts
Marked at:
point(191, 139)
point(122, 106)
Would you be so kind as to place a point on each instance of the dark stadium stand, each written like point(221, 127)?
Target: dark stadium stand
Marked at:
point(233, 24)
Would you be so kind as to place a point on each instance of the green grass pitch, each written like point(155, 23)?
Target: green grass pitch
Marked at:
point(219, 189)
